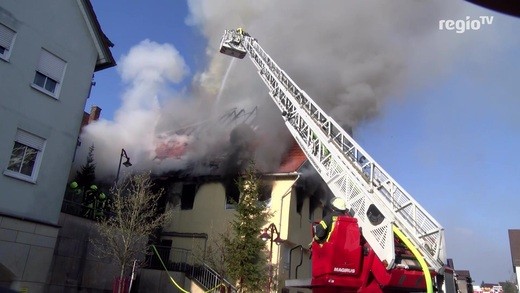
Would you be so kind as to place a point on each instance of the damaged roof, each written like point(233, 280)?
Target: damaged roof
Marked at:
point(293, 160)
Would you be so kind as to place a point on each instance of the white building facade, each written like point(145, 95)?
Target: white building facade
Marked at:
point(49, 51)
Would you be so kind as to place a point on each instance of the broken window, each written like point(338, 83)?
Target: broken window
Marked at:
point(300, 197)
point(314, 202)
point(188, 196)
point(232, 193)
point(264, 192)
point(174, 194)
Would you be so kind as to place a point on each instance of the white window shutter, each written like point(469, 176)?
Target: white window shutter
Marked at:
point(6, 36)
point(51, 66)
point(30, 140)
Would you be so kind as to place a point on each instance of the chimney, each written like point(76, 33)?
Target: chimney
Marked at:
point(95, 112)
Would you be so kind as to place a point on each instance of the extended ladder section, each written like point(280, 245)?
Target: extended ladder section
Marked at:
point(377, 200)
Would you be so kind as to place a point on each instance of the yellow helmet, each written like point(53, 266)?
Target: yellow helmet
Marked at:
point(73, 185)
point(338, 204)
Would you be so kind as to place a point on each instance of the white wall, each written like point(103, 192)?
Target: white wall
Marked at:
point(57, 26)
point(29, 211)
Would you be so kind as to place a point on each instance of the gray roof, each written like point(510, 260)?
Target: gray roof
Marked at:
point(463, 273)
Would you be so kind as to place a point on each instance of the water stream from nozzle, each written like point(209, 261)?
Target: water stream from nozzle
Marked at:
point(224, 80)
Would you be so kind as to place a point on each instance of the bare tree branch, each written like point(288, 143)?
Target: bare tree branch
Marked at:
point(124, 234)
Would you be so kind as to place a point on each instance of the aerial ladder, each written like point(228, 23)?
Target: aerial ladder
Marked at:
point(391, 221)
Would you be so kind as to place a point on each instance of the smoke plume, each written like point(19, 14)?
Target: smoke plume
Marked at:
point(350, 56)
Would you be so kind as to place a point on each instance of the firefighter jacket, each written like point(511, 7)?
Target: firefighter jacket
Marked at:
point(324, 228)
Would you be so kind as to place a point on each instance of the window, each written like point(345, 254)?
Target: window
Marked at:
point(6, 41)
point(232, 192)
point(188, 196)
point(25, 156)
point(49, 73)
point(314, 203)
point(45, 82)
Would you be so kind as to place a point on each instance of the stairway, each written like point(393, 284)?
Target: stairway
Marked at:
point(183, 260)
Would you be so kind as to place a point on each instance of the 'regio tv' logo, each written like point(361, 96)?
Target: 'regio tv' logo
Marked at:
point(461, 25)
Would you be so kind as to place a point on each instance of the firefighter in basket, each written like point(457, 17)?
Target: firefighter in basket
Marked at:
point(324, 228)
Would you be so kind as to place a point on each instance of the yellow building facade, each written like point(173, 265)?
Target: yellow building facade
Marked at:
point(205, 215)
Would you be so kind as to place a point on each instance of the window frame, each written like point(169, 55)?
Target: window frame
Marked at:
point(7, 37)
point(32, 141)
point(46, 80)
point(52, 68)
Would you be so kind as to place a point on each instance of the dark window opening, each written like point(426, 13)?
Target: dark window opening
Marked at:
point(314, 203)
point(300, 197)
point(164, 249)
point(264, 191)
point(188, 196)
point(232, 192)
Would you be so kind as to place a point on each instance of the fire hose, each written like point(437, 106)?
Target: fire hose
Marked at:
point(418, 256)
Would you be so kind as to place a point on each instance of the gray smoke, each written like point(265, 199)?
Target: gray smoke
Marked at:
point(350, 56)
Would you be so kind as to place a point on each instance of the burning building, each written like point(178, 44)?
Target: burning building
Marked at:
point(203, 194)
point(233, 136)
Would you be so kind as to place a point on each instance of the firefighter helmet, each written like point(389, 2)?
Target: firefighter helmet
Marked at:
point(338, 204)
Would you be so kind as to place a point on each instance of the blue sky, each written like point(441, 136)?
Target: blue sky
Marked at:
point(128, 24)
point(447, 129)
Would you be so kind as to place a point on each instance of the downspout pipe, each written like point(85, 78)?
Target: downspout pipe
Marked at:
point(288, 192)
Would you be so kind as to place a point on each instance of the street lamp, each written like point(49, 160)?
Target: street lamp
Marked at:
point(268, 234)
point(126, 163)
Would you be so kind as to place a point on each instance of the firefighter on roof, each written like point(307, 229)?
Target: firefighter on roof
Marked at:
point(324, 228)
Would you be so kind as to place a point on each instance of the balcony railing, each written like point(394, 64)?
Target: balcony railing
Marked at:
point(84, 211)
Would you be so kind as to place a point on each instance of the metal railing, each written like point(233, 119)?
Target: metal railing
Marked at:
point(183, 260)
point(84, 211)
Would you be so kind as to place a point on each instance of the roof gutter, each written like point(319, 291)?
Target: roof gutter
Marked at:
point(105, 58)
point(278, 175)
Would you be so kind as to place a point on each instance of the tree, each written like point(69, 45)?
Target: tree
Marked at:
point(214, 255)
point(509, 287)
point(245, 257)
point(135, 215)
point(87, 175)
